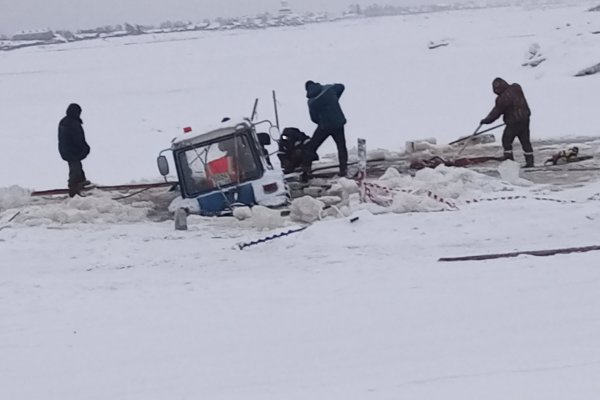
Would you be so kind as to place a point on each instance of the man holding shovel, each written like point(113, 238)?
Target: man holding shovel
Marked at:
point(511, 103)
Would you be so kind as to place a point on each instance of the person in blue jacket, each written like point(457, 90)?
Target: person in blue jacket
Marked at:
point(325, 111)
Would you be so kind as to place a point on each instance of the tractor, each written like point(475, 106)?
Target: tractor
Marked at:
point(225, 167)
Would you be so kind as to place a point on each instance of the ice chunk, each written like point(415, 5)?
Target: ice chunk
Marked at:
point(13, 197)
point(390, 174)
point(509, 171)
point(242, 213)
point(264, 218)
point(306, 209)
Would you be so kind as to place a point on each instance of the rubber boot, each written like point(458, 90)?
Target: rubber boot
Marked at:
point(508, 155)
point(75, 189)
point(305, 175)
point(529, 161)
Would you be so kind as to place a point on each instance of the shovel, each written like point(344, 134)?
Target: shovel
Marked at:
point(466, 142)
point(467, 139)
point(476, 133)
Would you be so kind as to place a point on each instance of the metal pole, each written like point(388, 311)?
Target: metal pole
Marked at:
point(254, 109)
point(276, 112)
point(362, 168)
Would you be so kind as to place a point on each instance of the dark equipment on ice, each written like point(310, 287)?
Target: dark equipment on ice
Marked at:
point(566, 156)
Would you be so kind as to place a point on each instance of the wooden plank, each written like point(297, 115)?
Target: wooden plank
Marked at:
point(537, 253)
point(136, 186)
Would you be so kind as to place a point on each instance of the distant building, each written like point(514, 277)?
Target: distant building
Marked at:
point(285, 9)
point(33, 35)
point(93, 31)
point(66, 35)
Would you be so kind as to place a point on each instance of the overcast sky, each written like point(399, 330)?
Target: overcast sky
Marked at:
point(72, 14)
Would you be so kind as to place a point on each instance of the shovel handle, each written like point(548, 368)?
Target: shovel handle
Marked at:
point(477, 132)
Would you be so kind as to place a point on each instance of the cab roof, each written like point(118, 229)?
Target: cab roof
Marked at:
point(211, 133)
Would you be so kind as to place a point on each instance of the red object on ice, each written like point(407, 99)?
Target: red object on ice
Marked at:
point(187, 129)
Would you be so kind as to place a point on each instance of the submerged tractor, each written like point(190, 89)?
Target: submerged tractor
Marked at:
point(226, 167)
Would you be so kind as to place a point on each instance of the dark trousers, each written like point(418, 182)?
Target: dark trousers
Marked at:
point(76, 177)
point(310, 150)
point(518, 130)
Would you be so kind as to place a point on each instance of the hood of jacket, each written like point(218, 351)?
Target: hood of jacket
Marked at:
point(499, 85)
point(74, 111)
point(313, 89)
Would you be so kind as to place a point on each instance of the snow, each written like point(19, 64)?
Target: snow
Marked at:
point(96, 207)
point(190, 204)
point(264, 218)
point(13, 196)
point(448, 182)
point(97, 300)
point(242, 213)
point(137, 93)
point(340, 310)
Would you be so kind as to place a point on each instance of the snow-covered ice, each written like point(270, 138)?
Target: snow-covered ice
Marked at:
point(98, 301)
point(137, 93)
point(340, 310)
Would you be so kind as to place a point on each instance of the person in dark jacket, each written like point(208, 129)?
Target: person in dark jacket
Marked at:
point(73, 148)
point(325, 111)
point(291, 149)
point(511, 103)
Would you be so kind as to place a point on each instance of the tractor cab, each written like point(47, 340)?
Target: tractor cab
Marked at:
point(225, 167)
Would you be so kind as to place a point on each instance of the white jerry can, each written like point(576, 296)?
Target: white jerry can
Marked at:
point(413, 146)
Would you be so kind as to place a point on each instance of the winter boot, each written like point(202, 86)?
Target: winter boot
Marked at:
point(529, 161)
point(305, 175)
point(75, 189)
point(508, 155)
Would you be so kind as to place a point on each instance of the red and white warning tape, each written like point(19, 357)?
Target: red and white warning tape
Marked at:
point(505, 198)
point(373, 192)
point(371, 187)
